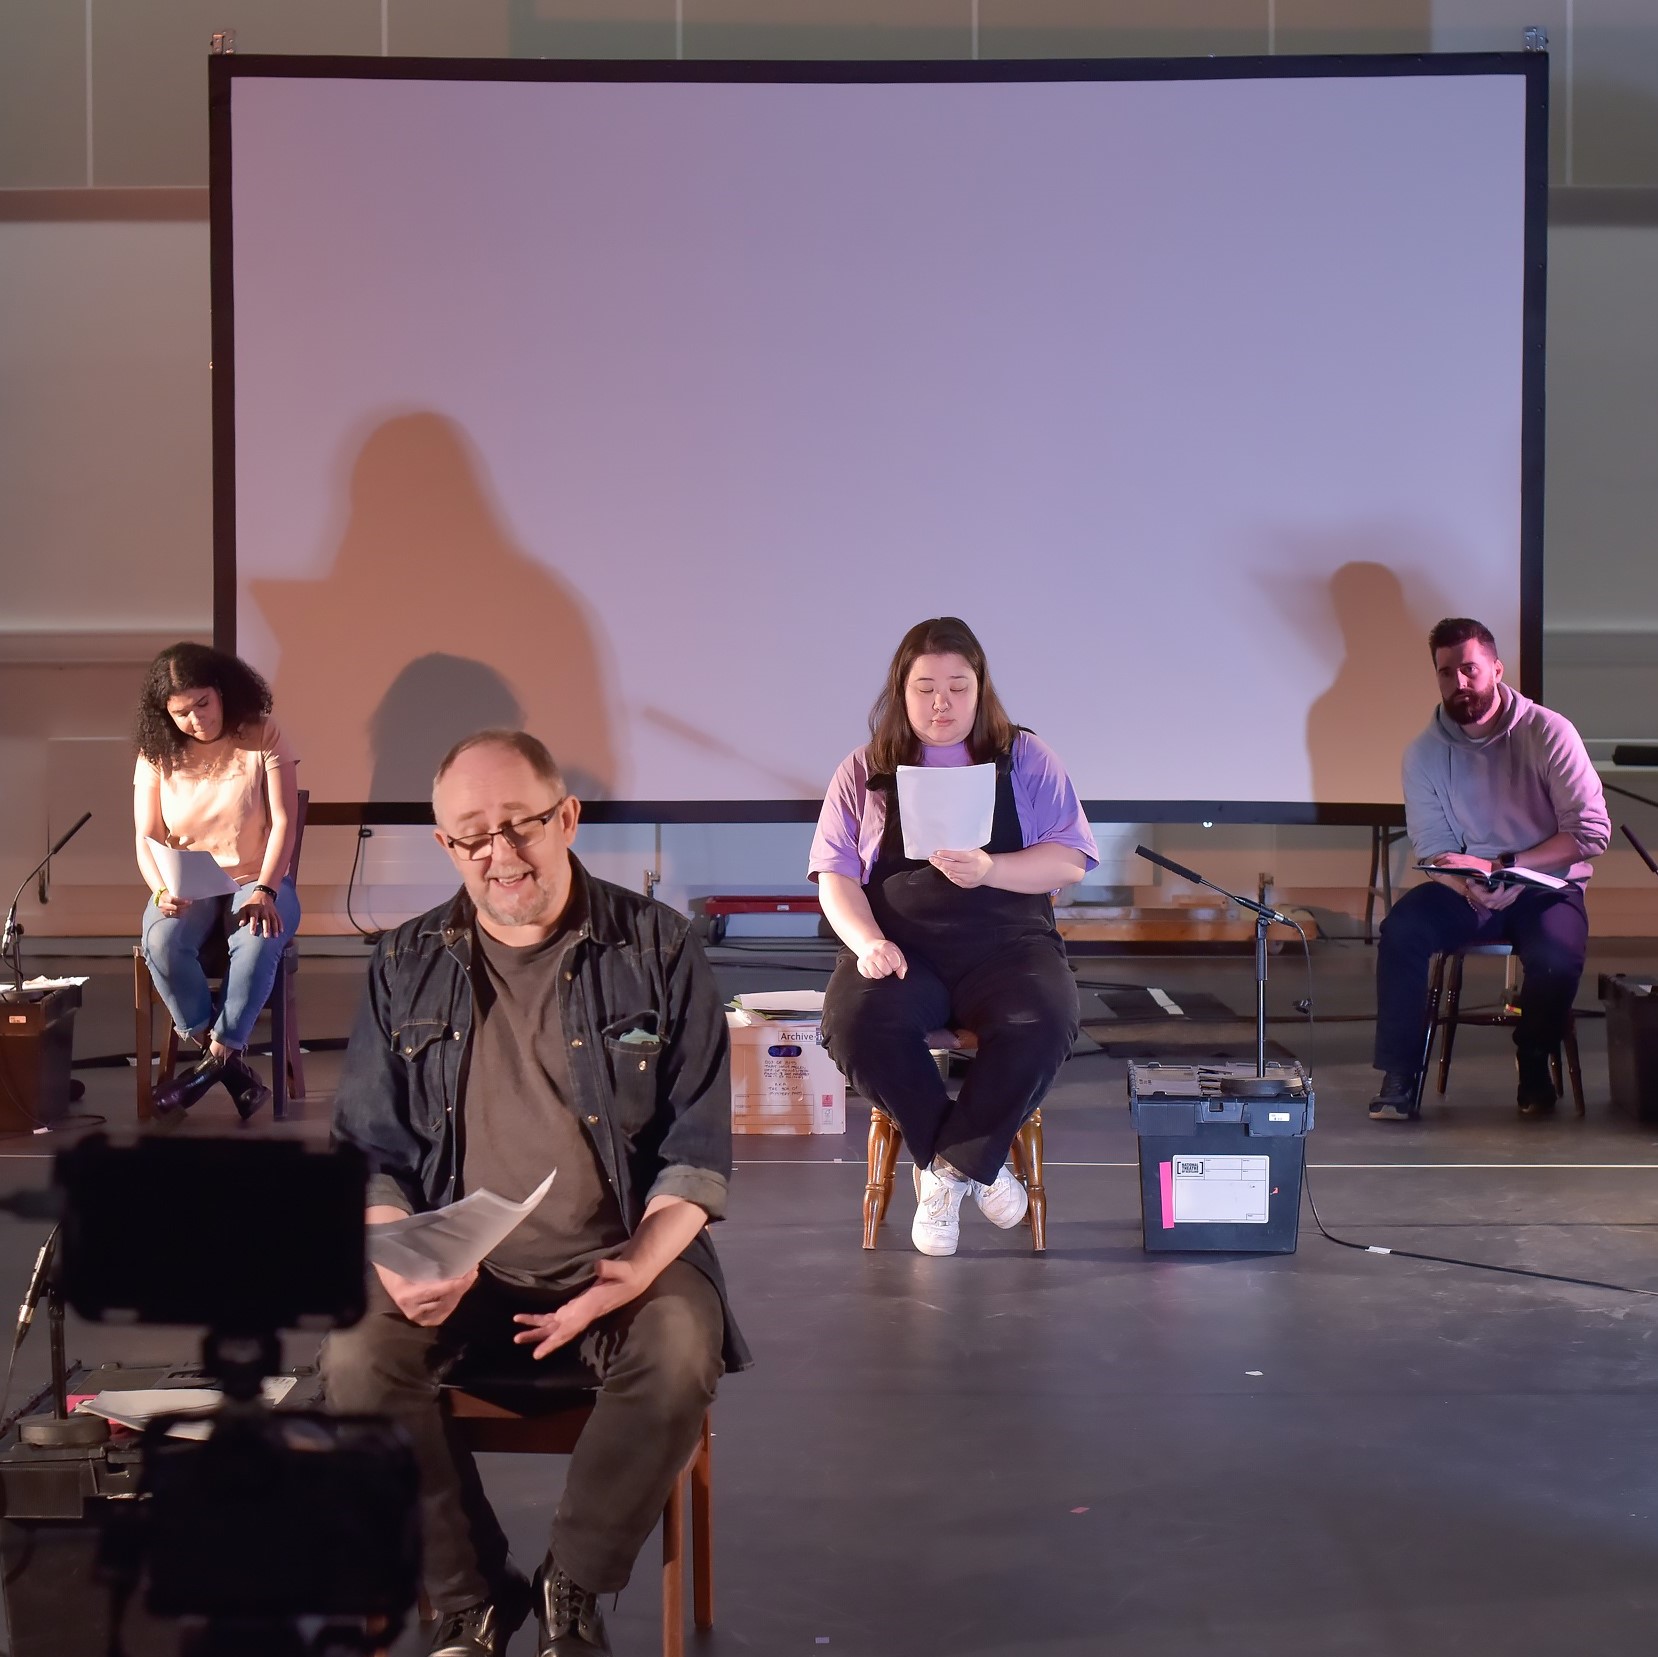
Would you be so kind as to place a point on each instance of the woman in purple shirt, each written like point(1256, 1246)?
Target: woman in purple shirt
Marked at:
point(964, 938)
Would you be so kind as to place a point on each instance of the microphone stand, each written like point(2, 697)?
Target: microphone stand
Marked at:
point(1264, 918)
point(11, 939)
point(60, 1430)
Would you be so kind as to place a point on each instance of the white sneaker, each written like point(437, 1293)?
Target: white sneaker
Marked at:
point(1003, 1202)
point(937, 1226)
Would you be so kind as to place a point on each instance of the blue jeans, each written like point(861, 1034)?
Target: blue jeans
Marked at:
point(172, 951)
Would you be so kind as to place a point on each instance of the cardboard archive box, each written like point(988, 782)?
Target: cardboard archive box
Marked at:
point(782, 1081)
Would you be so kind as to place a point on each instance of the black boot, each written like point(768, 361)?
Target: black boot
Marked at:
point(243, 1085)
point(568, 1620)
point(1396, 1101)
point(188, 1085)
point(1535, 1094)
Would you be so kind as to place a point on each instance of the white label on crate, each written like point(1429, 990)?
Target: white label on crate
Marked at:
point(1278, 1116)
point(1221, 1190)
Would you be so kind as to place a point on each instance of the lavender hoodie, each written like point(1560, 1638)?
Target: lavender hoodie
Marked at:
point(1528, 778)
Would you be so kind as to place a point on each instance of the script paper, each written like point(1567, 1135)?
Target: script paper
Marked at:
point(946, 808)
point(190, 874)
point(136, 1409)
point(449, 1242)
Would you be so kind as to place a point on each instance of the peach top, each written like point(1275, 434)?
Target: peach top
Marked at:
point(223, 806)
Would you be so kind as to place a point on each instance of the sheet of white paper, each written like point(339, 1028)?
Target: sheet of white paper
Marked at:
point(190, 874)
point(430, 1248)
point(782, 1003)
point(946, 808)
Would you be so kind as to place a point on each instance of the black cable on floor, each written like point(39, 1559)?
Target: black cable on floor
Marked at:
point(1414, 1254)
point(1474, 1265)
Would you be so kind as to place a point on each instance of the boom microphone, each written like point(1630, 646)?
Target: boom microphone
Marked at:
point(1646, 856)
point(1167, 863)
point(9, 937)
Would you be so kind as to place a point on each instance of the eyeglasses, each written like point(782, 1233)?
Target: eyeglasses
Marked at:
point(526, 831)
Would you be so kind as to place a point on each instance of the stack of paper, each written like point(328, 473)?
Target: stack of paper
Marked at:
point(137, 1409)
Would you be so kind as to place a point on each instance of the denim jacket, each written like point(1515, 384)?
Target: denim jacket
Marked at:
point(649, 1061)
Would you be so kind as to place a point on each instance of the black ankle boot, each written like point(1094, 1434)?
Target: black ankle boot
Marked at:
point(188, 1085)
point(243, 1085)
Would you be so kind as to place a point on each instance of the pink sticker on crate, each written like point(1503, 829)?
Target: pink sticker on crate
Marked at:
point(1165, 1182)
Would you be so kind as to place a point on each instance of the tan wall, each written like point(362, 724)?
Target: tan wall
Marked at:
point(105, 536)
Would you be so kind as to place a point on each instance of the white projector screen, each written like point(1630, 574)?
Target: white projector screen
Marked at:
point(648, 405)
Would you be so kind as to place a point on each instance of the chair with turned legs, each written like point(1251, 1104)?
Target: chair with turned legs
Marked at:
point(1445, 1013)
point(885, 1138)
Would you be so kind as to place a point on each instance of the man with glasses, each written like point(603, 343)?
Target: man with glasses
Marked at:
point(542, 1019)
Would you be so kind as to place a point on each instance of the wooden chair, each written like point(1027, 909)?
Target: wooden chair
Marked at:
point(1445, 1014)
point(885, 1138)
point(287, 1063)
point(548, 1423)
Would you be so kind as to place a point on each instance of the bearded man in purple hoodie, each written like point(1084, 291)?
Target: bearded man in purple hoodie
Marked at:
point(1496, 781)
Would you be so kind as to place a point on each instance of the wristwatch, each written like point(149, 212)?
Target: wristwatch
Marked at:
point(269, 891)
point(1506, 861)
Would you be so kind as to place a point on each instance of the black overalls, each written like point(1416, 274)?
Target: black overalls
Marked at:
point(979, 959)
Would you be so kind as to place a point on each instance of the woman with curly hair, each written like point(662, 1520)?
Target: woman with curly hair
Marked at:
point(214, 774)
point(965, 936)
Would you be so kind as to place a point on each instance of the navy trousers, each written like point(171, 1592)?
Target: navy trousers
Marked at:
point(1548, 930)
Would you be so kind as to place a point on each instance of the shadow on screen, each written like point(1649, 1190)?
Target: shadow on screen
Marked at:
point(781, 782)
point(433, 622)
point(431, 705)
point(1383, 692)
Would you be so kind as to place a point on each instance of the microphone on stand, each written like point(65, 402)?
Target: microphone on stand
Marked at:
point(60, 1429)
point(10, 938)
point(36, 1288)
point(1198, 880)
point(1646, 856)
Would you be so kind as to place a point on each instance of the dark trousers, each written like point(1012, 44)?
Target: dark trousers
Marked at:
point(654, 1362)
point(1021, 1004)
point(1549, 932)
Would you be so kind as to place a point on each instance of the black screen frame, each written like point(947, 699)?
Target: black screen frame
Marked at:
point(1533, 67)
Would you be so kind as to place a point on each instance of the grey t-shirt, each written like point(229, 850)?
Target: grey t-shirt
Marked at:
point(519, 1118)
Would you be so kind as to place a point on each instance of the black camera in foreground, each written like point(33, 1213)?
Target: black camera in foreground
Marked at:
point(270, 1531)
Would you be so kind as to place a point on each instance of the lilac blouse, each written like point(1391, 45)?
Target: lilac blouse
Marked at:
point(848, 837)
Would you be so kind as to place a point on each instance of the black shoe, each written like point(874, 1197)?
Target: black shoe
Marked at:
point(188, 1086)
point(567, 1616)
point(478, 1631)
point(243, 1085)
point(1396, 1100)
point(1535, 1095)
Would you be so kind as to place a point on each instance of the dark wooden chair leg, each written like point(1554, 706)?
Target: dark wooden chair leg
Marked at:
point(884, 1140)
point(673, 1571)
point(1436, 989)
point(702, 1531)
point(1574, 1064)
point(1453, 1002)
point(143, 1044)
point(279, 1043)
point(290, 1010)
point(1029, 1154)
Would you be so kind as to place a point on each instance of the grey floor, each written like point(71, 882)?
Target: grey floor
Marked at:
point(1330, 1453)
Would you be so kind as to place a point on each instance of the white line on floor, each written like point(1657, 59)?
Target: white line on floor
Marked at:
point(1052, 1162)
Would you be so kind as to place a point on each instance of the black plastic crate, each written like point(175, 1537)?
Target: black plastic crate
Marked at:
point(1221, 1156)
